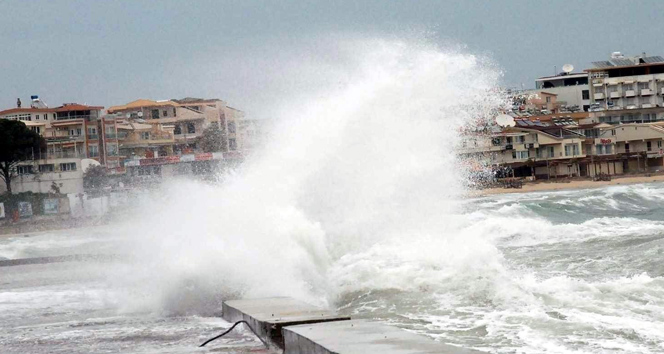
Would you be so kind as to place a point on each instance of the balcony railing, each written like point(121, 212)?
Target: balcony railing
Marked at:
point(599, 96)
point(93, 154)
point(86, 117)
point(646, 92)
point(111, 135)
point(614, 94)
point(93, 136)
point(629, 93)
point(65, 155)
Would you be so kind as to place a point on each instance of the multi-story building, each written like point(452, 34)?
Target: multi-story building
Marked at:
point(627, 89)
point(530, 148)
point(178, 125)
point(73, 132)
point(571, 89)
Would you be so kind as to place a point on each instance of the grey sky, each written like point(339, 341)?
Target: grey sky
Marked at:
point(111, 52)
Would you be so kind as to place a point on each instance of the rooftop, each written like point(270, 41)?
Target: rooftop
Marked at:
point(140, 103)
point(562, 77)
point(67, 107)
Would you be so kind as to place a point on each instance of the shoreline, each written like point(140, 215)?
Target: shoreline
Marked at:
point(547, 186)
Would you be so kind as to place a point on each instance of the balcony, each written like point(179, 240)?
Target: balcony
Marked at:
point(93, 136)
point(614, 94)
point(646, 92)
point(111, 135)
point(599, 96)
point(630, 93)
point(66, 155)
point(647, 105)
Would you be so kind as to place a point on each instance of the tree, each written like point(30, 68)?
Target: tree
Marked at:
point(95, 179)
point(17, 143)
point(213, 139)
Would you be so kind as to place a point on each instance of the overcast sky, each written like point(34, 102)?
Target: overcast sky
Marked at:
point(111, 52)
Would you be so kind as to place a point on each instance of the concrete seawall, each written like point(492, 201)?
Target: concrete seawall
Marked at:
point(300, 328)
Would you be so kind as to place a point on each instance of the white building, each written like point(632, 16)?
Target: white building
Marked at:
point(571, 89)
point(628, 89)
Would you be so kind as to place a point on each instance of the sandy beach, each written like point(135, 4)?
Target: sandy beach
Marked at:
point(541, 186)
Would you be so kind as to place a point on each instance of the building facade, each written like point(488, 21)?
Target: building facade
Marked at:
point(73, 132)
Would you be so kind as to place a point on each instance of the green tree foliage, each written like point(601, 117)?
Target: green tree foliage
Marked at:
point(17, 143)
point(213, 139)
point(95, 179)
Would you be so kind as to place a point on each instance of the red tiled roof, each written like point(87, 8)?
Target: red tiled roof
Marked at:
point(26, 110)
point(77, 107)
point(64, 108)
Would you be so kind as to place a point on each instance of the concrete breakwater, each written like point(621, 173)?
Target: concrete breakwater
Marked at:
point(299, 328)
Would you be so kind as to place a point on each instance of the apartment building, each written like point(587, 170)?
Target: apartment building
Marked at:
point(627, 89)
point(571, 89)
point(177, 125)
point(530, 147)
point(73, 132)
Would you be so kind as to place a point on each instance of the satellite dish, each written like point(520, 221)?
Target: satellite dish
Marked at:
point(505, 121)
point(568, 68)
point(128, 115)
point(140, 114)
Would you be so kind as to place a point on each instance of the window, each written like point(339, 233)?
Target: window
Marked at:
point(548, 99)
point(549, 151)
point(37, 117)
point(538, 153)
point(599, 149)
point(155, 114)
point(613, 132)
point(231, 127)
point(571, 149)
point(36, 129)
point(519, 139)
point(608, 149)
point(191, 128)
point(649, 146)
point(45, 116)
point(46, 168)
point(585, 94)
point(177, 130)
point(659, 144)
point(70, 166)
point(145, 135)
point(112, 149)
point(509, 140)
point(174, 113)
point(94, 150)
point(164, 113)
point(232, 144)
point(24, 170)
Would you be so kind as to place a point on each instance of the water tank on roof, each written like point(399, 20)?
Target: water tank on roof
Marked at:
point(617, 55)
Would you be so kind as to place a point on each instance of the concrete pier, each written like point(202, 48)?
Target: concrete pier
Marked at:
point(268, 316)
point(361, 337)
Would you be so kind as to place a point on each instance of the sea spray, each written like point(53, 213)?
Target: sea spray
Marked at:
point(363, 171)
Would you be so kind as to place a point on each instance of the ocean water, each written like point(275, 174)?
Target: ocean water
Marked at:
point(566, 272)
point(356, 201)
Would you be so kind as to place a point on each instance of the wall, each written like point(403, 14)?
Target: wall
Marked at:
point(69, 181)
